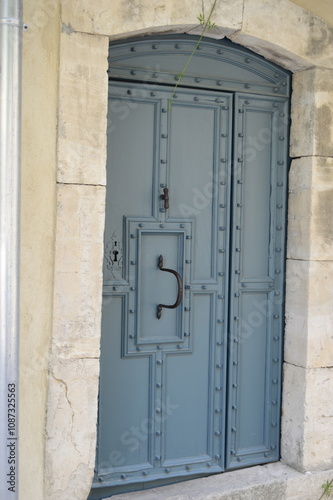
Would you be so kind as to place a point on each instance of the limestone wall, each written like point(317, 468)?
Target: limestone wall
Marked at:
point(64, 122)
point(39, 126)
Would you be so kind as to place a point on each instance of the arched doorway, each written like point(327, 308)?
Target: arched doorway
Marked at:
point(197, 189)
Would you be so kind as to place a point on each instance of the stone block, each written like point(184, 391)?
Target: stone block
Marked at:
point(310, 209)
point(78, 264)
point(309, 314)
point(82, 119)
point(312, 113)
point(286, 34)
point(71, 428)
point(118, 18)
point(307, 432)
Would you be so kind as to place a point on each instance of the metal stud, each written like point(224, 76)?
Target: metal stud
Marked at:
point(221, 274)
point(133, 49)
point(123, 476)
point(238, 249)
point(133, 263)
point(280, 184)
point(144, 473)
point(221, 250)
point(153, 94)
point(167, 471)
point(154, 46)
point(163, 162)
point(217, 456)
point(218, 410)
point(225, 108)
point(154, 75)
point(188, 261)
point(236, 318)
point(223, 160)
point(237, 272)
point(239, 459)
point(220, 321)
point(232, 452)
point(164, 136)
point(219, 344)
point(235, 363)
point(280, 162)
point(164, 110)
point(181, 225)
point(247, 60)
point(158, 347)
point(234, 407)
point(275, 89)
point(276, 338)
point(196, 99)
point(177, 46)
point(140, 225)
point(238, 228)
point(275, 360)
point(217, 433)
point(218, 100)
point(188, 467)
point(222, 205)
point(220, 51)
point(233, 429)
point(219, 365)
point(138, 348)
point(276, 316)
point(274, 381)
point(158, 433)
point(239, 181)
point(218, 388)
point(247, 86)
point(241, 111)
point(281, 138)
point(186, 334)
point(235, 386)
point(186, 309)
point(219, 83)
point(159, 362)
point(132, 236)
point(220, 297)
point(239, 205)
point(158, 410)
point(131, 311)
point(204, 287)
point(197, 80)
point(131, 336)
point(209, 464)
point(132, 288)
point(158, 385)
point(133, 72)
point(188, 237)
point(221, 228)
point(158, 457)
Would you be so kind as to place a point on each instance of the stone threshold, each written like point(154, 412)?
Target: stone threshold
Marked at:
point(275, 481)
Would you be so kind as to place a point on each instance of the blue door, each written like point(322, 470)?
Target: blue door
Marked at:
point(193, 280)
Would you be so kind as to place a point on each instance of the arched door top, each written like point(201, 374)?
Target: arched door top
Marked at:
point(218, 65)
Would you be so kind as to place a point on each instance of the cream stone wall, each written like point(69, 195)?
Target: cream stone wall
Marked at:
point(284, 33)
point(39, 125)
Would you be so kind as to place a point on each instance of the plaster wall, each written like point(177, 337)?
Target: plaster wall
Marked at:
point(284, 33)
point(38, 216)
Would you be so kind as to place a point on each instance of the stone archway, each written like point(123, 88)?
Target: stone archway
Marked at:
point(296, 40)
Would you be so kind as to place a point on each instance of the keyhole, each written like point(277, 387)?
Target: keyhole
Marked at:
point(115, 253)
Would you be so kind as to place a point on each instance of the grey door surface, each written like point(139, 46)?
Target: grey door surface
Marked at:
point(194, 219)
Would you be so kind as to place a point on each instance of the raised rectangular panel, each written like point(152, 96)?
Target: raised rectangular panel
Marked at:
point(193, 166)
point(120, 445)
point(130, 185)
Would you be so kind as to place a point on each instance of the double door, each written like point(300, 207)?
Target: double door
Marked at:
point(193, 285)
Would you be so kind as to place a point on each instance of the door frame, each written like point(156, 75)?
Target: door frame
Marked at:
point(254, 91)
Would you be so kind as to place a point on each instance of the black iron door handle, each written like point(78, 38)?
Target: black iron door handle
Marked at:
point(180, 288)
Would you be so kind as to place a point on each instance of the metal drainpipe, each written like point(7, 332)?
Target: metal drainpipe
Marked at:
point(10, 145)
